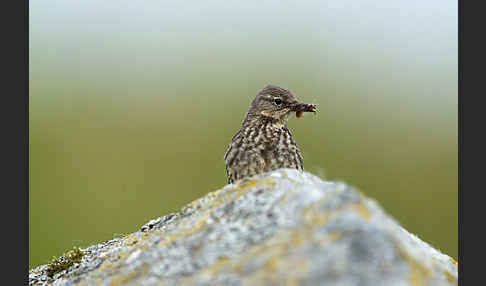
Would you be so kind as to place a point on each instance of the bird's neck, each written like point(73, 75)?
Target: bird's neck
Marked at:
point(259, 120)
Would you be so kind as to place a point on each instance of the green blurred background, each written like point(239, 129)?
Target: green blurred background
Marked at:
point(133, 103)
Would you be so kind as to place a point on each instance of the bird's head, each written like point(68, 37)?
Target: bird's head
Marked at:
point(277, 105)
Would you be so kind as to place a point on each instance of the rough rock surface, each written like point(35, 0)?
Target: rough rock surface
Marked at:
point(280, 228)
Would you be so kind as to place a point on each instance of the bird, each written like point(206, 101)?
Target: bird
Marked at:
point(264, 143)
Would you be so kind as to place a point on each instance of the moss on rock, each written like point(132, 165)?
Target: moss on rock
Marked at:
point(64, 262)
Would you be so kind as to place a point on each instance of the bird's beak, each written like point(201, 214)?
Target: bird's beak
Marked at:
point(299, 108)
point(303, 107)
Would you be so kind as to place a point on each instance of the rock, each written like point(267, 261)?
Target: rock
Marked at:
point(281, 228)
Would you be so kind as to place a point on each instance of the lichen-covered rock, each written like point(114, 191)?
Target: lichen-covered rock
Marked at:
point(281, 228)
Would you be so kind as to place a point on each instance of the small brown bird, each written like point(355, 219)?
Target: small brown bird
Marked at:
point(264, 143)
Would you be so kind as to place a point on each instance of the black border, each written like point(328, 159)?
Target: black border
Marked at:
point(471, 215)
point(14, 115)
point(460, 183)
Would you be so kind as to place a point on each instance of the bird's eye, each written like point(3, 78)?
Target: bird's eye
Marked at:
point(278, 101)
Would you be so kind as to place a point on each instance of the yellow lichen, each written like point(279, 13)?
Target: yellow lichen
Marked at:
point(334, 236)
point(198, 225)
point(415, 278)
point(131, 240)
point(418, 272)
point(216, 267)
point(107, 265)
point(316, 217)
point(450, 278)
point(167, 240)
point(209, 271)
point(247, 184)
point(122, 279)
point(272, 264)
point(453, 261)
point(321, 219)
point(277, 265)
point(362, 210)
point(270, 182)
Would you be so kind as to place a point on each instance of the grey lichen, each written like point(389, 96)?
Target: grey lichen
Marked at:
point(281, 228)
